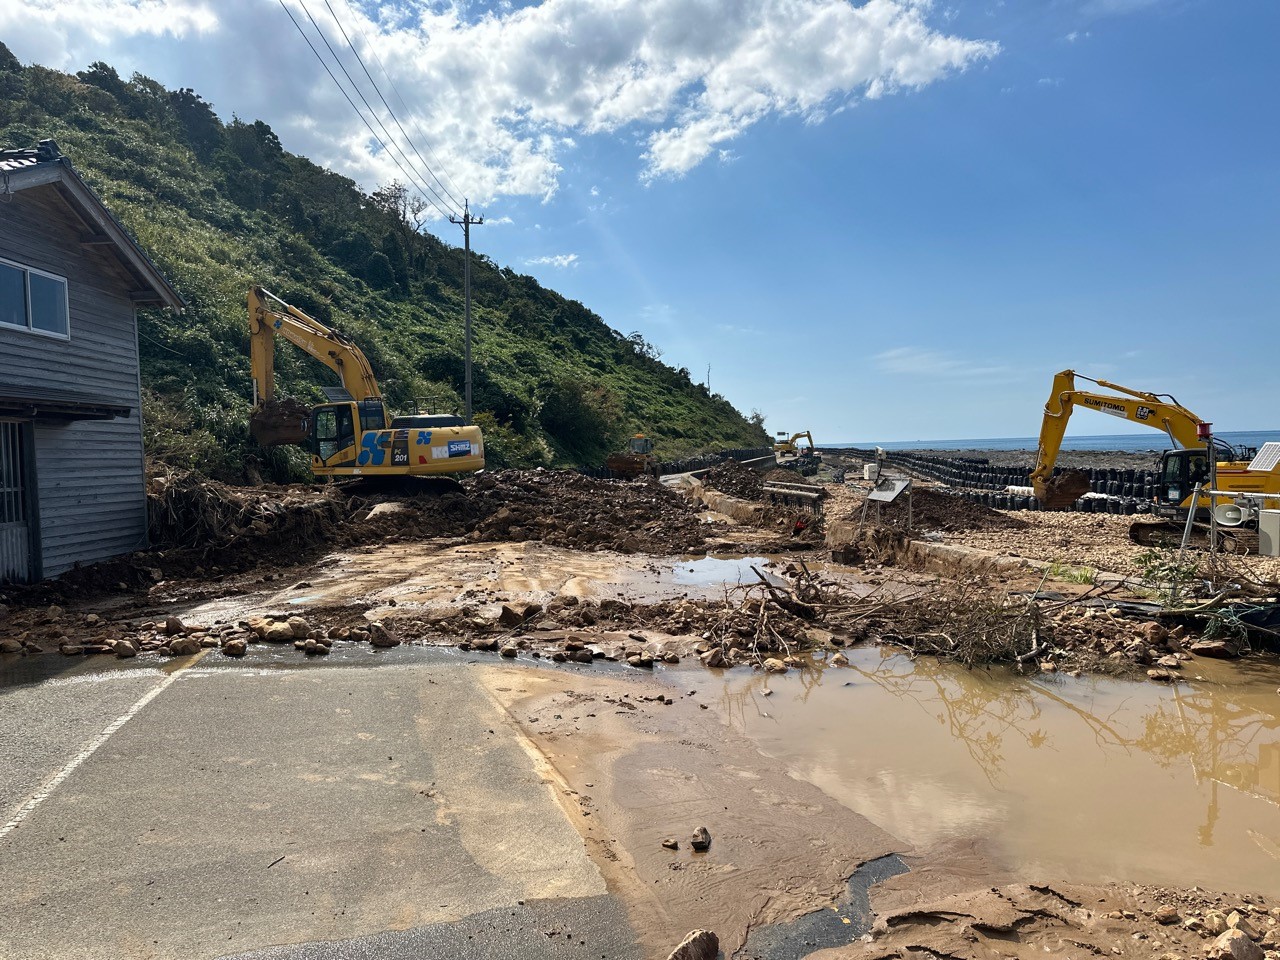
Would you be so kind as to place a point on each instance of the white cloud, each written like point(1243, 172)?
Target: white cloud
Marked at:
point(502, 96)
point(554, 260)
point(915, 362)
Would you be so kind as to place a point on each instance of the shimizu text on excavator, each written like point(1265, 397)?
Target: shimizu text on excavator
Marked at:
point(353, 435)
point(1180, 469)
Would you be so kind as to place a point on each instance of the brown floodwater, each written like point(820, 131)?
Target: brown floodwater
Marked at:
point(1079, 779)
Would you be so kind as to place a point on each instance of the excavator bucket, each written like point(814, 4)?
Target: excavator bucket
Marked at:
point(281, 422)
point(1063, 490)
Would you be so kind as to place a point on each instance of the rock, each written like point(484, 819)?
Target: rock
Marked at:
point(701, 839)
point(208, 641)
point(72, 649)
point(514, 614)
point(510, 651)
point(380, 636)
point(124, 649)
point(1166, 915)
point(1217, 649)
point(774, 665)
point(299, 627)
point(582, 656)
point(54, 612)
point(1154, 633)
point(1237, 921)
point(712, 658)
point(699, 945)
point(1169, 663)
point(1215, 923)
point(1164, 676)
point(671, 843)
point(235, 648)
point(484, 643)
point(1236, 945)
point(839, 660)
point(10, 646)
point(173, 626)
point(559, 656)
point(276, 632)
point(184, 646)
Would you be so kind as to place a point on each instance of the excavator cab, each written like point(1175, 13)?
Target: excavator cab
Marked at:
point(333, 429)
point(1180, 471)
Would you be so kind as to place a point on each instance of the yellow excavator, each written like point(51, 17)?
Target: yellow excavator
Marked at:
point(788, 448)
point(353, 435)
point(1180, 469)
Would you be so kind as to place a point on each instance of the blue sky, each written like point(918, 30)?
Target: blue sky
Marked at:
point(888, 222)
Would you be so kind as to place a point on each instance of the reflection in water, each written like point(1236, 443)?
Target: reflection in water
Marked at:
point(1093, 777)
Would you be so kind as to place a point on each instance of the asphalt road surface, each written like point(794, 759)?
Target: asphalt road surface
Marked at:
point(213, 809)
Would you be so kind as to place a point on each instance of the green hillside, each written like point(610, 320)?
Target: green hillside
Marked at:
point(221, 206)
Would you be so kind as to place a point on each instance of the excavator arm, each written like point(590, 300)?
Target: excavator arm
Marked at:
point(1159, 411)
point(269, 315)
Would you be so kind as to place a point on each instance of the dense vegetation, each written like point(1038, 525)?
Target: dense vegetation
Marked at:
point(221, 206)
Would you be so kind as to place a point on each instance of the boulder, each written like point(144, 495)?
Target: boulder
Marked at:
point(1216, 649)
point(514, 614)
point(510, 650)
point(774, 665)
point(124, 649)
point(712, 658)
point(671, 843)
point(1237, 921)
point(184, 646)
point(380, 636)
point(10, 646)
point(699, 945)
point(582, 656)
point(174, 626)
point(1166, 915)
point(299, 628)
point(701, 839)
point(1236, 945)
point(839, 660)
point(72, 649)
point(235, 648)
point(277, 632)
point(1215, 923)
point(484, 643)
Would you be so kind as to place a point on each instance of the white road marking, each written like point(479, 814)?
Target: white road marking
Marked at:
point(56, 780)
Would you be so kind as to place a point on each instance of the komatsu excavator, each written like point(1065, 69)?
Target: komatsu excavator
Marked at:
point(353, 435)
point(1180, 469)
point(787, 447)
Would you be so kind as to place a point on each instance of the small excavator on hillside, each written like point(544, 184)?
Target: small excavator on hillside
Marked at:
point(1180, 469)
point(353, 435)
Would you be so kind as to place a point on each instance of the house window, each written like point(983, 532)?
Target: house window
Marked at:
point(33, 300)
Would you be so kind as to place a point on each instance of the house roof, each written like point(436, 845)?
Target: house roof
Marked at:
point(45, 165)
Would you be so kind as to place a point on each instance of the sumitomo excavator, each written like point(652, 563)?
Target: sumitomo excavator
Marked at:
point(1180, 469)
point(353, 435)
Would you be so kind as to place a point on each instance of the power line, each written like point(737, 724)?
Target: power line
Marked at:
point(341, 89)
point(373, 50)
point(390, 139)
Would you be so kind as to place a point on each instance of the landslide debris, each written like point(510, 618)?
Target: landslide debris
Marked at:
point(733, 478)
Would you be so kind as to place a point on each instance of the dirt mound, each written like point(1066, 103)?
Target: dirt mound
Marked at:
point(567, 509)
point(733, 478)
point(780, 475)
point(942, 511)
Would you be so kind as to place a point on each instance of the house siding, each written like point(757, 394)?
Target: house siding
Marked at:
point(92, 498)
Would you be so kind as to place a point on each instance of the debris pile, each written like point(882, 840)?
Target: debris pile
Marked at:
point(733, 478)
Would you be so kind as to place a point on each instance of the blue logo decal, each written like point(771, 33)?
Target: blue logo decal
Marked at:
point(370, 453)
point(424, 438)
point(459, 448)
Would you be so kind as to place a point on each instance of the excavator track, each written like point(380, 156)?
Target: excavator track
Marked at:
point(1164, 534)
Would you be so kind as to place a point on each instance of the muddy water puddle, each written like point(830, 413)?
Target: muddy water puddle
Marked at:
point(1083, 779)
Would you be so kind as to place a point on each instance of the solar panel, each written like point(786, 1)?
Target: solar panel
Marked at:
point(889, 489)
point(1267, 457)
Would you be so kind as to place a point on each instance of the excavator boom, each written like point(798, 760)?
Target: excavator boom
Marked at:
point(269, 315)
point(1137, 406)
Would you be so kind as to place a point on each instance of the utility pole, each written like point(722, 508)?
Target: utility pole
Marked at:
point(465, 222)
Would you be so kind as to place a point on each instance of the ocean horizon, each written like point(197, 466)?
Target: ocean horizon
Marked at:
point(1119, 442)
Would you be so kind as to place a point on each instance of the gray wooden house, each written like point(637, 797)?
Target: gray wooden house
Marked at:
point(72, 489)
